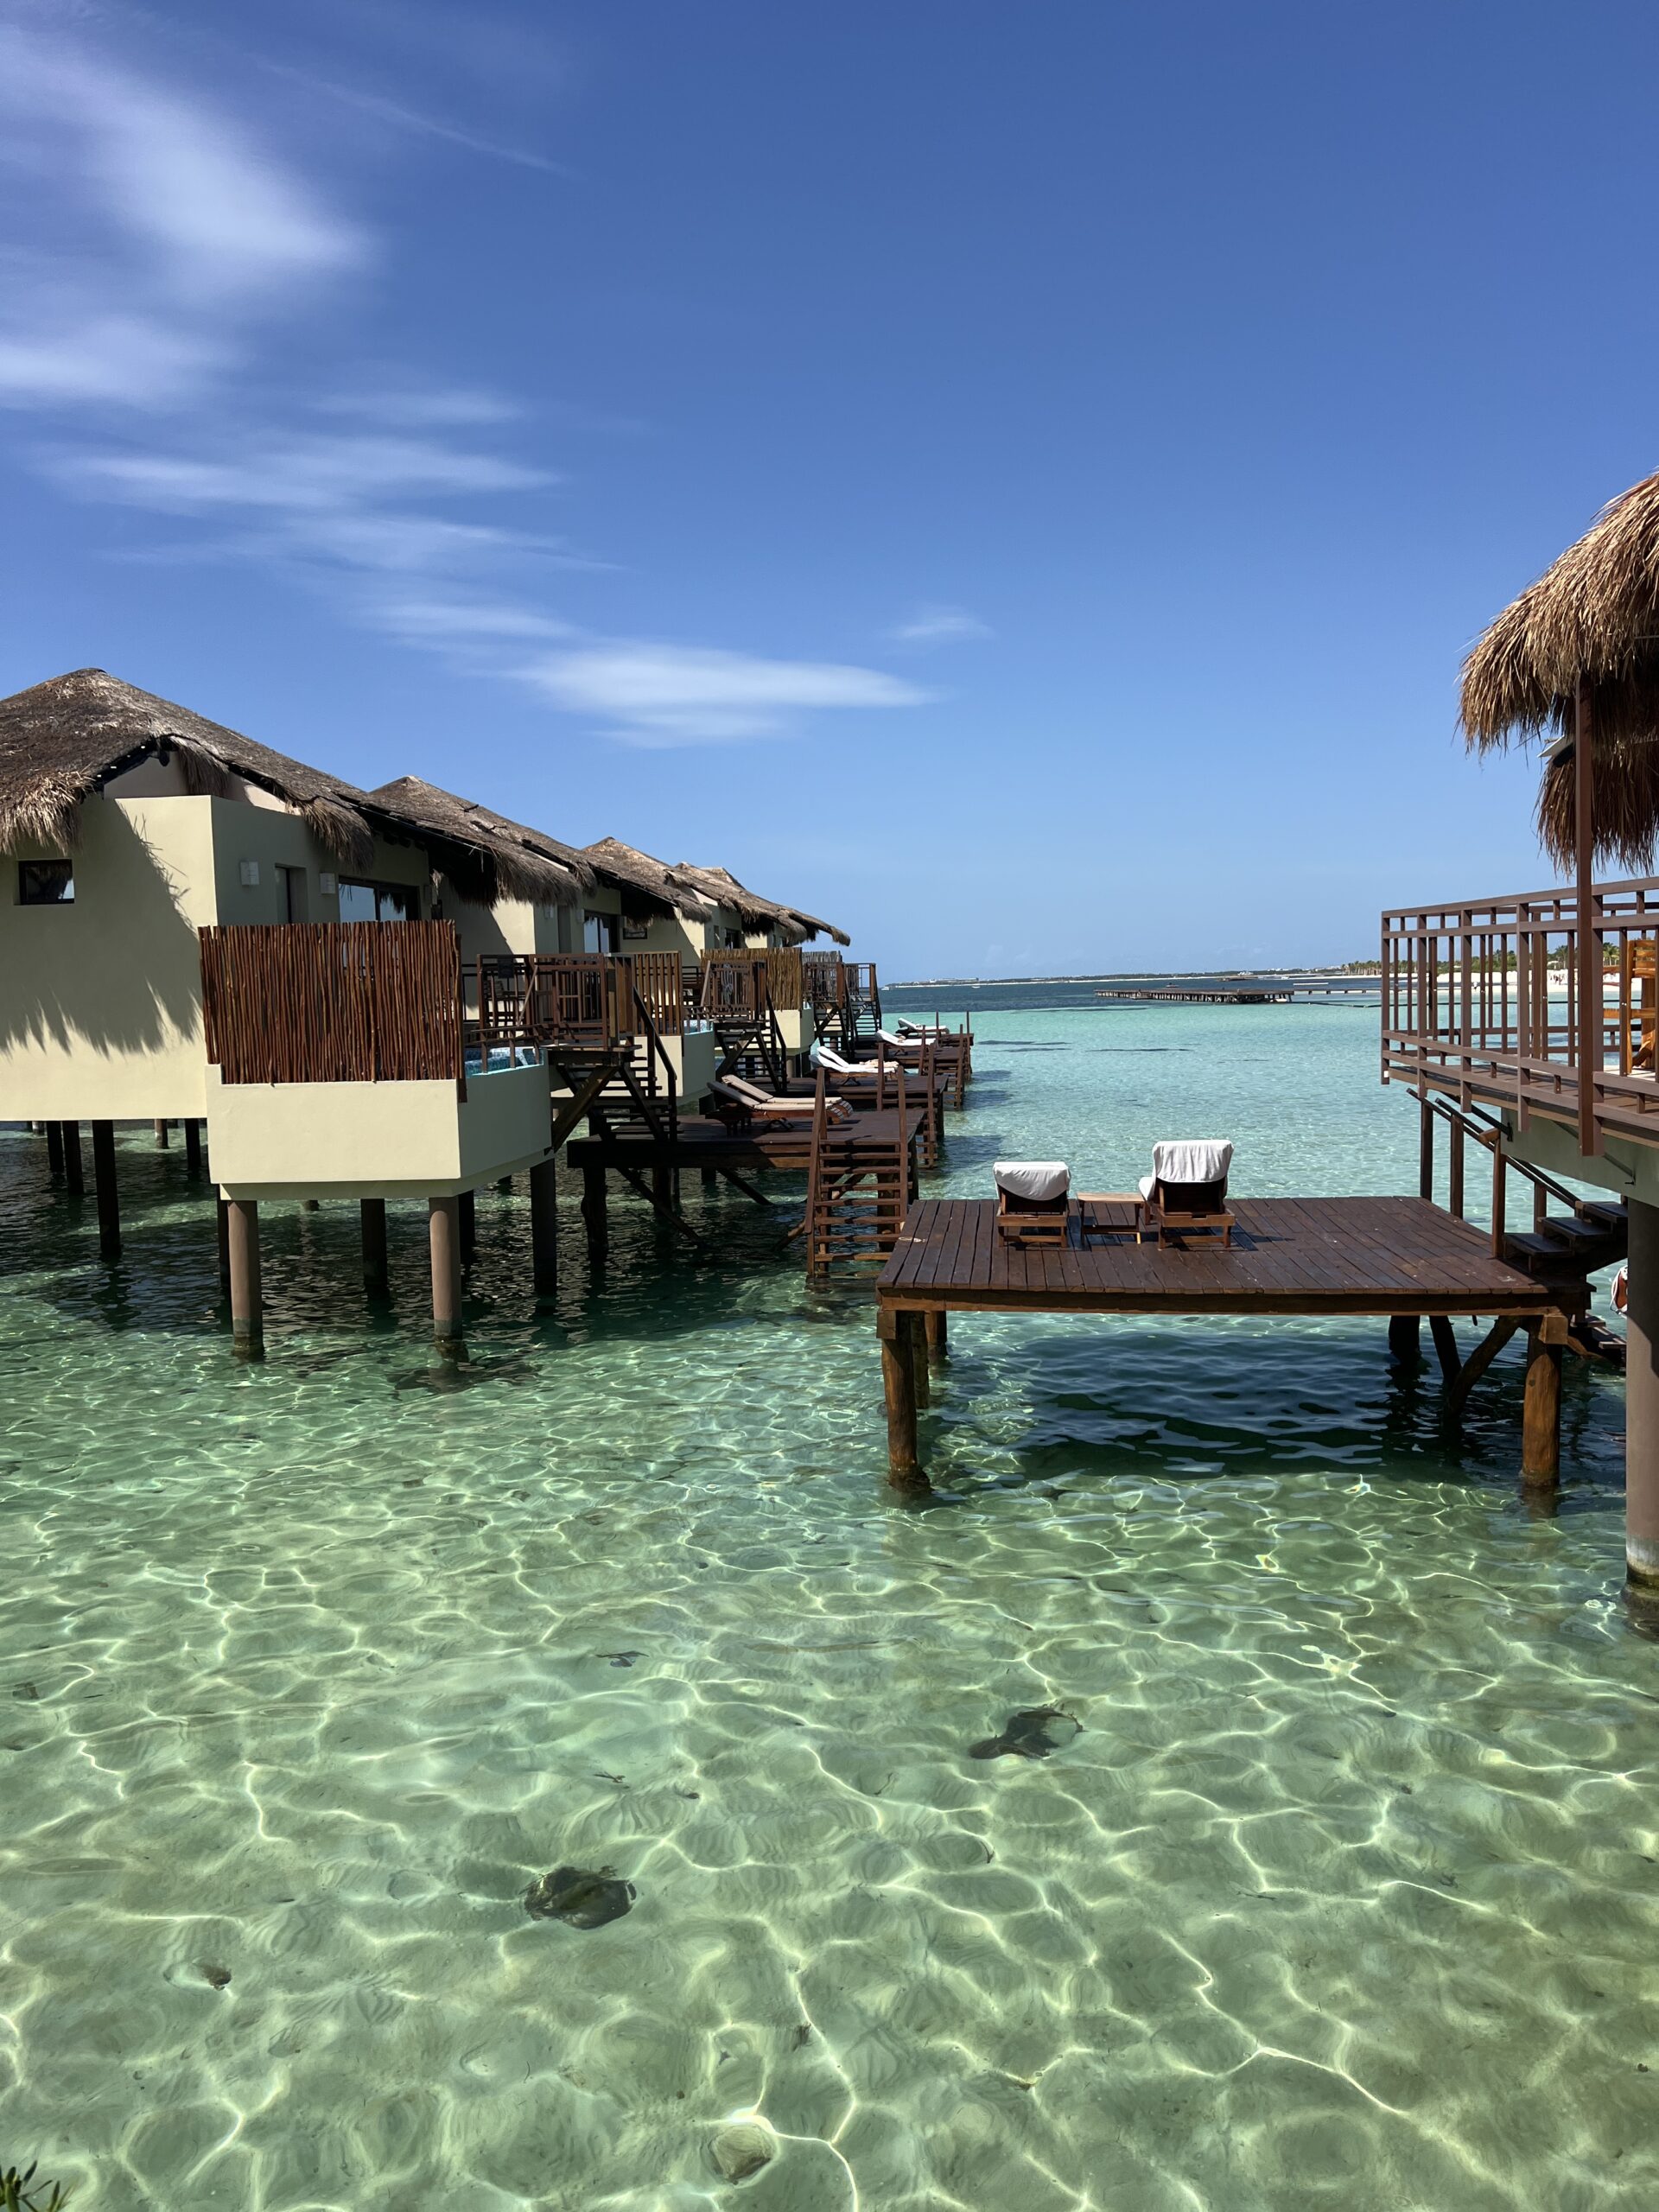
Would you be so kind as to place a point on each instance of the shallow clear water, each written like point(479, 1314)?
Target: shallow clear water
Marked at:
point(1344, 1894)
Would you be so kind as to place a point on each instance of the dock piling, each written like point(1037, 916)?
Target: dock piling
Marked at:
point(1405, 1338)
point(443, 1237)
point(545, 1225)
point(109, 1201)
point(1540, 1423)
point(593, 1207)
point(899, 1385)
point(376, 1279)
point(1641, 1400)
point(54, 1150)
point(192, 1149)
point(247, 1302)
point(161, 1137)
point(937, 1345)
point(467, 1214)
point(74, 1179)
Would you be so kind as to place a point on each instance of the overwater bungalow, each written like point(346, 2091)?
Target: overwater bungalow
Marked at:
point(1526, 1023)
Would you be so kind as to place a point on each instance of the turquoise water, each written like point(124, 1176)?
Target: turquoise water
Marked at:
point(1344, 1891)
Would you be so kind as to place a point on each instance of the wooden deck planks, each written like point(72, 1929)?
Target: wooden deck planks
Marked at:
point(1308, 1255)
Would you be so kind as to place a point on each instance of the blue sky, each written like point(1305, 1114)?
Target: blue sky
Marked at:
point(1018, 479)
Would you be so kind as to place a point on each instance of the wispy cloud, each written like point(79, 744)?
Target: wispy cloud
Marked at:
point(662, 695)
point(320, 474)
point(159, 230)
point(937, 624)
point(403, 118)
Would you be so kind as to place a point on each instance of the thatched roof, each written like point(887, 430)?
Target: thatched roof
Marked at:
point(631, 870)
point(702, 893)
point(63, 739)
point(527, 864)
point(751, 910)
point(1593, 615)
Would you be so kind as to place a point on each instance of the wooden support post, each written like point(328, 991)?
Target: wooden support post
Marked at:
point(1405, 1338)
point(935, 1333)
point(192, 1149)
point(1426, 1150)
point(545, 1225)
point(54, 1150)
point(1445, 1345)
point(1455, 1170)
point(898, 1384)
point(377, 1275)
point(504, 1183)
point(1479, 1361)
point(223, 1210)
point(162, 1138)
point(443, 1235)
point(467, 1215)
point(109, 1200)
point(74, 1179)
point(1540, 1428)
point(247, 1304)
point(1641, 1400)
point(662, 1186)
point(916, 1334)
point(710, 1179)
point(1591, 981)
point(593, 1207)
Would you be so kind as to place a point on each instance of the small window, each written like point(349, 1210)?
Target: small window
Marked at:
point(600, 933)
point(46, 883)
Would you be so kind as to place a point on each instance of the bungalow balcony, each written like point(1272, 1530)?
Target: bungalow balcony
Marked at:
point(1496, 1004)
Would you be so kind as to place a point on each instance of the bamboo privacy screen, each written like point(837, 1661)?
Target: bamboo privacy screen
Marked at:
point(333, 1001)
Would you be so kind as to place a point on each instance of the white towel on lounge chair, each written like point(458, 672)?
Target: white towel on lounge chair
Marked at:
point(1189, 1160)
point(898, 1044)
point(1032, 1178)
point(825, 1056)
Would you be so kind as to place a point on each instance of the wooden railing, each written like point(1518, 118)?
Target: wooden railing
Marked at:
point(1483, 1000)
point(658, 979)
point(333, 1001)
point(581, 1000)
point(737, 986)
point(824, 976)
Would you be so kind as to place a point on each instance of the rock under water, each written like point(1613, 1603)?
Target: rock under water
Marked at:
point(741, 2150)
point(580, 1898)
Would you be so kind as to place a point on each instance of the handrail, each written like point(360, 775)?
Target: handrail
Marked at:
point(1486, 999)
point(655, 1051)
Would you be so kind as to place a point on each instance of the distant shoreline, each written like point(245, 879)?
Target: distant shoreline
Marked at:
point(1137, 975)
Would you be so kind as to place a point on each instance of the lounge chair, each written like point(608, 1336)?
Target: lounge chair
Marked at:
point(737, 1100)
point(1034, 1200)
point(1188, 1188)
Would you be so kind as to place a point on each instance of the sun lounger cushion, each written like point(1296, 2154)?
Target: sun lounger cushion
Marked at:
point(903, 1044)
point(825, 1056)
point(1191, 1159)
point(1032, 1178)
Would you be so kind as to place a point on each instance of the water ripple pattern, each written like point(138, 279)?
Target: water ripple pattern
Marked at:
point(1345, 1890)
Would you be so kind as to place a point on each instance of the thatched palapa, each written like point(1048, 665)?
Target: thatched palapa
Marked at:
point(754, 911)
point(653, 884)
point(1591, 618)
point(63, 739)
point(701, 892)
point(527, 864)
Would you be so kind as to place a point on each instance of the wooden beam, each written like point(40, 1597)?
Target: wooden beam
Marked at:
point(247, 1300)
point(1479, 1360)
point(1589, 937)
point(1425, 1148)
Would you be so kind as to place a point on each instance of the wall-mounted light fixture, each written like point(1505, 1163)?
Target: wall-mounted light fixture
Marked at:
point(250, 873)
point(326, 884)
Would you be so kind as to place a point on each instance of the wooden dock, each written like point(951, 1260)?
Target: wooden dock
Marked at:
point(1397, 1257)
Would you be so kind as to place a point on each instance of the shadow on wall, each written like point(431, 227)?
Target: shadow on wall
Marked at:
point(118, 968)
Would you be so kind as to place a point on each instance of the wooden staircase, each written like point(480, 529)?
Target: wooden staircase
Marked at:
point(1571, 1239)
point(859, 1188)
